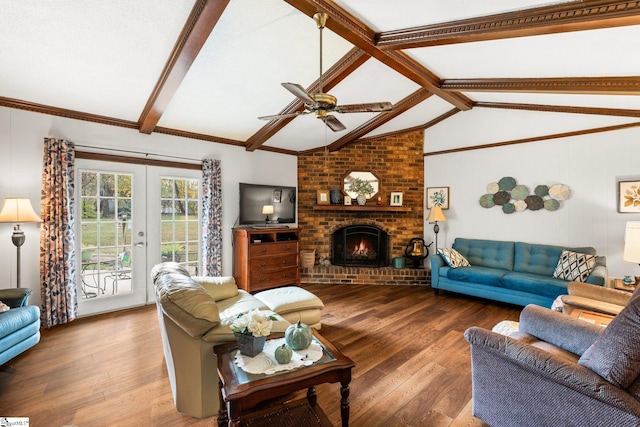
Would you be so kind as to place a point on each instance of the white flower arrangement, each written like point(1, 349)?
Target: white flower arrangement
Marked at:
point(257, 323)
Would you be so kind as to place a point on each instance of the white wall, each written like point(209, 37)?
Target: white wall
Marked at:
point(21, 141)
point(590, 165)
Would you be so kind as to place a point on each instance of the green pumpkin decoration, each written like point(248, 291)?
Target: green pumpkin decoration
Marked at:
point(298, 336)
point(283, 354)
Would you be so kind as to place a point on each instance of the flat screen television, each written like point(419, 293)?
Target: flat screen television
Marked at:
point(254, 196)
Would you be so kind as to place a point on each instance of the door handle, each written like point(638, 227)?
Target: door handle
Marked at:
point(139, 245)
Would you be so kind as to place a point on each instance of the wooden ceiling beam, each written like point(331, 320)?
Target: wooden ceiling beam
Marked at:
point(535, 139)
point(575, 85)
point(203, 18)
point(618, 112)
point(551, 19)
point(357, 33)
point(381, 118)
point(330, 78)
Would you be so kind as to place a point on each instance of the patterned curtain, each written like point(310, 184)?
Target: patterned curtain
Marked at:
point(57, 250)
point(211, 217)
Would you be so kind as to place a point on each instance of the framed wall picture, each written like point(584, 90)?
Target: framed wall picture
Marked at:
point(396, 198)
point(629, 196)
point(323, 197)
point(438, 196)
point(277, 196)
point(347, 201)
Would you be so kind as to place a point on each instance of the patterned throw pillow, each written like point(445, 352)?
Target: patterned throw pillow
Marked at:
point(574, 266)
point(4, 307)
point(453, 257)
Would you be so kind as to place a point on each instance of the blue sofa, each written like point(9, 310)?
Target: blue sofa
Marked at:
point(513, 272)
point(19, 326)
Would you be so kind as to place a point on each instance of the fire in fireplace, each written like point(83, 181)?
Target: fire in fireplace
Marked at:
point(360, 245)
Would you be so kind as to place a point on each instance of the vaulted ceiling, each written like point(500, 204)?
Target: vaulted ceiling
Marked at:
point(207, 69)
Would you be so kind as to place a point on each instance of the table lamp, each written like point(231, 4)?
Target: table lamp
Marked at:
point(267, 210)
point(17, 210)
point(632, 243)
point(436, 215)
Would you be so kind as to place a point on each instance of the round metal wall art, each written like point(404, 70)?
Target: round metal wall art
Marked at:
point(513, 197)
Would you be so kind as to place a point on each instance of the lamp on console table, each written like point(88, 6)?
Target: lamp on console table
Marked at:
point(632, 243)
point(436, 215)
point(267, 210)
point(17, 210)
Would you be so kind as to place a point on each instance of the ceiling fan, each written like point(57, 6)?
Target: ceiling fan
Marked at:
point(323, 103)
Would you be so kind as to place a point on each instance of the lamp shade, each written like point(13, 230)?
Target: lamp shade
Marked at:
point(632, 242)
point(18, 209)
point(267, 210)
point(436, 215)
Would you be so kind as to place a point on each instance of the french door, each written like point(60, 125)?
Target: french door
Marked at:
point(128, 218)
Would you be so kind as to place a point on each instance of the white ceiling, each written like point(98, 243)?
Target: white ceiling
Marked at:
point(105, 58)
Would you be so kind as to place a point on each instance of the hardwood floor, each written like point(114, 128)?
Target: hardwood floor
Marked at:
point(412, 363)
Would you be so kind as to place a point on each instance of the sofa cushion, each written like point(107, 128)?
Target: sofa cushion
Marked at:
point(243, 302)
point(615, 355)
point(167, 267)
point(574, 266)
point(15, 297)
point(289, 299)
point(541, 259)
point(487, 253)
point(453, 258)
point(477, 274)
point(187, 303)
point(218, 287)
point(16, 319)
point(534, 284)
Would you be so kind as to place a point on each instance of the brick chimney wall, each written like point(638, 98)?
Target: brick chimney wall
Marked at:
point(398, 163)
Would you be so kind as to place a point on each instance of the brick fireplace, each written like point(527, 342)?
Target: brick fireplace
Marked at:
point(398, 163)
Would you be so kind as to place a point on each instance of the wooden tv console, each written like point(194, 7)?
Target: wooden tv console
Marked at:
point(265, 258)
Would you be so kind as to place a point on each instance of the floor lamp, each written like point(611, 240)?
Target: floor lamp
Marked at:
point(17, 210)
point(632, 243)
point(436, 215)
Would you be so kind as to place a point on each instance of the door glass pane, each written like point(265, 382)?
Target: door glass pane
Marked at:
point(180, 217)
point(105, 234)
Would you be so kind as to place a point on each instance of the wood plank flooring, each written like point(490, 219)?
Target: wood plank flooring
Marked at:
point(412, 363)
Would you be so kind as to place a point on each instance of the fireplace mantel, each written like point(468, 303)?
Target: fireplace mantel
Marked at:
point(365, 208)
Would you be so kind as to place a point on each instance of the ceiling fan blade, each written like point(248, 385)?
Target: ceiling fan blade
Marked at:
point(300, 93)
point(282, 116)
point(333, 123)
point(372, 107)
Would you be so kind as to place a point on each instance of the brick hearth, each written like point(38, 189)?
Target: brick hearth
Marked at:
point(398, 163)
point(365, 276)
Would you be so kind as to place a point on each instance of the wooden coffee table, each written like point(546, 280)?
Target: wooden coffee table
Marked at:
point(241, 391)
point(600, 319)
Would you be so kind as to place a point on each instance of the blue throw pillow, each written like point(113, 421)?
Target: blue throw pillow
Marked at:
point(453, 258)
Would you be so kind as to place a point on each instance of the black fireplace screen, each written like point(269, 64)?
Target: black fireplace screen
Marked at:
point(360, 245)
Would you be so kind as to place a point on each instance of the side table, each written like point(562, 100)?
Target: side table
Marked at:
point(241, 391)
point(620, 285)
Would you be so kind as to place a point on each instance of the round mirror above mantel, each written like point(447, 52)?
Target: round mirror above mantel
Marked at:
point(369, 177)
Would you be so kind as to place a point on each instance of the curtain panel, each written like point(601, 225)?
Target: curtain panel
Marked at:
point(57, 247)
point(211, 218)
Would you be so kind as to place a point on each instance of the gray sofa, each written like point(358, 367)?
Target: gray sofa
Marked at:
point(558, 370)
point(513, 272)
point(19, 326)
